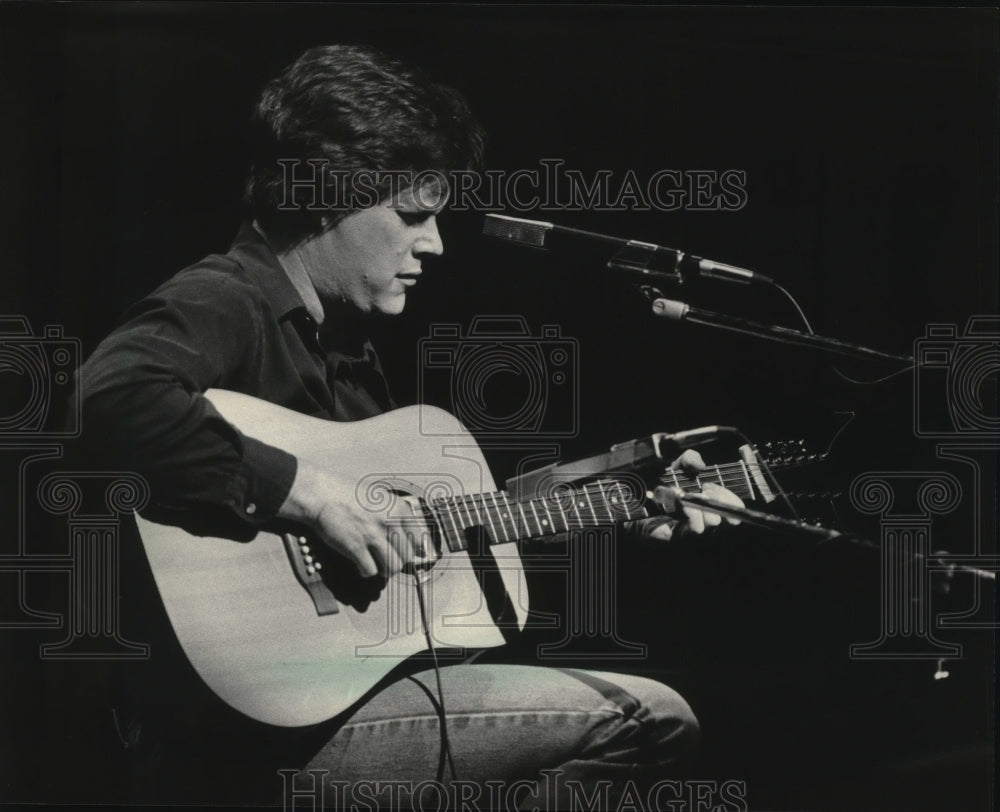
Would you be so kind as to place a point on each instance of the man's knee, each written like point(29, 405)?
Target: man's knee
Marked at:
point(673, 729)
point(675, 723)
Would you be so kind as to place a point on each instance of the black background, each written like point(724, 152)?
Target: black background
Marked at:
point(869, 142)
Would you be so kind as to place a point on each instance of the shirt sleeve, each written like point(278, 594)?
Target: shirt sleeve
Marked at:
point(144, 409)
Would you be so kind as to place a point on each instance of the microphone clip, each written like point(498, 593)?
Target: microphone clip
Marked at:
point(644, 257)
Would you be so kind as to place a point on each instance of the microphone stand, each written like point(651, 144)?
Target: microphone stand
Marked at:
point(758, 518)
point(816, 533)
point(678, 311)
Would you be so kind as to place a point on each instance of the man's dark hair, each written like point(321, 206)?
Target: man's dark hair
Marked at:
point(349, 116)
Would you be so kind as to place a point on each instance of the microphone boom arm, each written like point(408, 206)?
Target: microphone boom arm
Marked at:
point(678, 311)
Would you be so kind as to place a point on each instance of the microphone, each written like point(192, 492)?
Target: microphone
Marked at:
point(633, 255)
point(730, 273)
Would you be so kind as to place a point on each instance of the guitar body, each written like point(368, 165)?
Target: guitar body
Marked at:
point(252, 630)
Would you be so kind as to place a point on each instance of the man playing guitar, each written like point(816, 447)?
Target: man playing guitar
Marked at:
point(335, 240)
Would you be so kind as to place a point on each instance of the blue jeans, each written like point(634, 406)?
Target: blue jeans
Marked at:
point(597, 734)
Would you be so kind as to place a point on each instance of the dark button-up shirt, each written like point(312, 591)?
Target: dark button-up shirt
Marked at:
point(232, 321)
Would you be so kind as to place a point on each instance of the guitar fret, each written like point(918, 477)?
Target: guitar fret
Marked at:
point(609, 501)
point(577, 512)
point(467, 520)
point(628, 505)
point(496, 508)
point(479, 516)
point(746, 477)
point(548, 516)
point(526, 527)
point(590, 505)
point(677, 482)
point(623, 500)
point(459, 538)
point(724, 475)
point(562, 513)
point(489, 518)
point(604, 500)
point(511, 516)
point(531, 504)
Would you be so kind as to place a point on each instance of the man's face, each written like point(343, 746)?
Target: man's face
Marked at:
point(372, 257)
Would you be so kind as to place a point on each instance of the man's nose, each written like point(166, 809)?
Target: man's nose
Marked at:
point(429, 241)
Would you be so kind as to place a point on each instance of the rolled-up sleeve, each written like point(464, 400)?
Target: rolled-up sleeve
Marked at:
point(144, 409)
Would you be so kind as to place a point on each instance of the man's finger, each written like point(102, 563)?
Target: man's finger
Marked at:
point(690, 462)
point(388, 560)
point(364, 561)
point(655, 527)
point(695, 520)
point(668, 498)
point(720, 494)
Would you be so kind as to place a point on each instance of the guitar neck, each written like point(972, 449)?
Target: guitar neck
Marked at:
point(601, 502)
point(737, 477)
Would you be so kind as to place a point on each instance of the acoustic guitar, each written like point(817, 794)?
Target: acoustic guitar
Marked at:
point(284, 630)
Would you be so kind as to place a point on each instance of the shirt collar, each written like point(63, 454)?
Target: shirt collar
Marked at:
point(266, 271)
point(259, 261)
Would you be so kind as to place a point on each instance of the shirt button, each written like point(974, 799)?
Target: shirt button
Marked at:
point(251, 508)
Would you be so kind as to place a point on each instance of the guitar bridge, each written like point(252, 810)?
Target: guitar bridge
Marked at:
point(307, 571)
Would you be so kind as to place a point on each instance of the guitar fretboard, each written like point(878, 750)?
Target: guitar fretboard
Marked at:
point(602, 502)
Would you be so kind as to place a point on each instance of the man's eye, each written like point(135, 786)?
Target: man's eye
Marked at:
point(412, 218)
